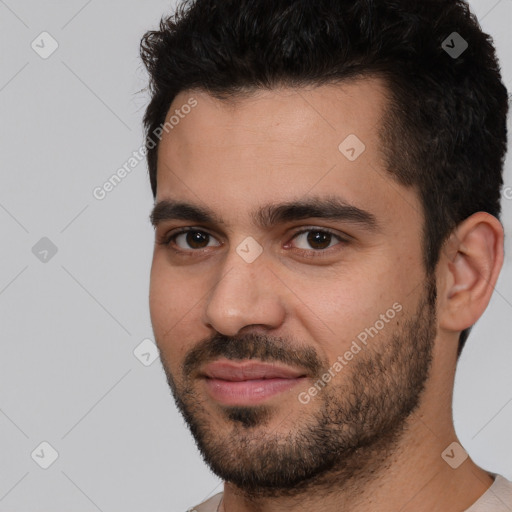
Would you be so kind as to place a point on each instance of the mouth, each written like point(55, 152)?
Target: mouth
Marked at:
point(248, 382)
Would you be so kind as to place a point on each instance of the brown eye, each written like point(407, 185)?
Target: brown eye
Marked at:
point(190, 239)
point(318, 239)
point(197, 239)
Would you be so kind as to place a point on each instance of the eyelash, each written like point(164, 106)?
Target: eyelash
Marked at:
point(167, 239)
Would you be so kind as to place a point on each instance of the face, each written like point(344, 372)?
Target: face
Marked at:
point(288, 298)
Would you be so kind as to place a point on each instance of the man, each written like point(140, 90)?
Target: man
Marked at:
point(327, 192)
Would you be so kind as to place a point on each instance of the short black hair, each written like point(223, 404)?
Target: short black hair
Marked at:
point(444, 131)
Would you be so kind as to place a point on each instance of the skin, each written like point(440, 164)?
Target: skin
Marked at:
point(282, 145)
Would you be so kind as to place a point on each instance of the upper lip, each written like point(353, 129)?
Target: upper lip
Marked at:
point(249, 370)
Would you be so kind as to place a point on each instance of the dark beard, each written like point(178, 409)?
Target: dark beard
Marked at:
point(351, 436)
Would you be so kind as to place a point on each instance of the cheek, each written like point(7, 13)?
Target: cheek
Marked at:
point(161, 297)
point(166, 306)
point(169, 291)
point(175, 309)
point(348, 305)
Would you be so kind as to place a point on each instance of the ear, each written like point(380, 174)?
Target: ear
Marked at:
point(469, 266)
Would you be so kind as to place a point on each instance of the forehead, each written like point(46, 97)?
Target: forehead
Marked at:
point(280, 144)
point(284, 114)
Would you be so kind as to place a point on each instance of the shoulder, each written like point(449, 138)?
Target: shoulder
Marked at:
point(209, 505)
point(498, 498)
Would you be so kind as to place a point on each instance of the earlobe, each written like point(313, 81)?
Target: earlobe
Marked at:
point(472, 263)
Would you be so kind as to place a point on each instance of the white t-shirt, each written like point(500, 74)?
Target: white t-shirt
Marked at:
point(498, 498)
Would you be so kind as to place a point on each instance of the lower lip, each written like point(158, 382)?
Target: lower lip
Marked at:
point(248, 391)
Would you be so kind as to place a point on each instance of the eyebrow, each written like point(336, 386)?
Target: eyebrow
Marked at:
point(267, 216)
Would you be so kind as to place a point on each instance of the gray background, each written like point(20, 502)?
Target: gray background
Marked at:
point(70, 324)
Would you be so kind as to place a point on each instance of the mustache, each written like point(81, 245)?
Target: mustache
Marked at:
point(252, 346)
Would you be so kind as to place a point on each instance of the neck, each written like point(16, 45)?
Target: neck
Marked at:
point(405, 472)
point(416, 479)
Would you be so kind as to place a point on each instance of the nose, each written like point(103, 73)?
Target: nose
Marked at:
point(246, 294)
